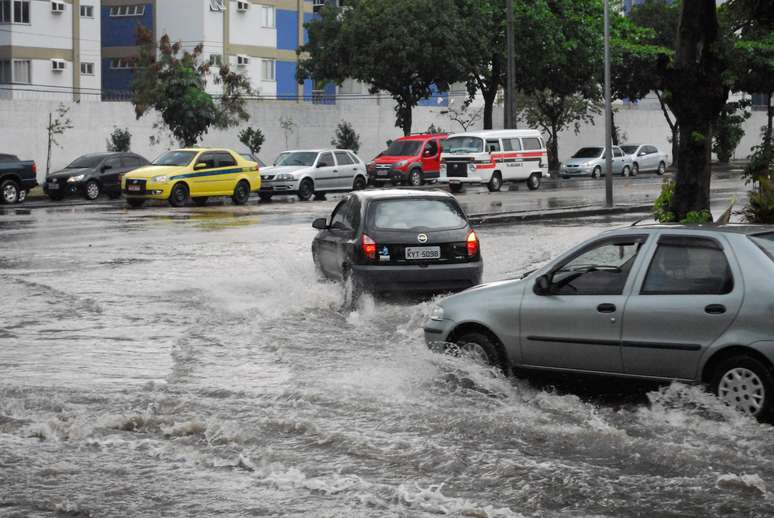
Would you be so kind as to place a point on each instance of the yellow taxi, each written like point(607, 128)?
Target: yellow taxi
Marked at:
point(197, 174)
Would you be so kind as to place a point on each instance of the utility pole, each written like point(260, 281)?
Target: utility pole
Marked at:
point(510, 71)
point(608, 115)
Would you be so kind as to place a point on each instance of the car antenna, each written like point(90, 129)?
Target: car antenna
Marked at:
point(638, 222)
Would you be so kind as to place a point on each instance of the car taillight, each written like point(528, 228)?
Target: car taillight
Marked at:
point(34, 168)
point(368, 246)
point(472, 244)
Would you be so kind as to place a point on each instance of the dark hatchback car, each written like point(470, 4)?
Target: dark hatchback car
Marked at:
point(398, 240)
point(91, 175)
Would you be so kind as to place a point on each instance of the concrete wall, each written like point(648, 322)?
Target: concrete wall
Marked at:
point(22, 128)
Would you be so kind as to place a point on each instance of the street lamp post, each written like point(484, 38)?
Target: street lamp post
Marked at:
point(510, 83)
point(608, 115)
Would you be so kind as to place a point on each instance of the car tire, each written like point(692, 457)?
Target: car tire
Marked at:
point(92, 190)
point(480, 346)
point(135, 203)
point(745, 383)
point(353, 287)
point(241, 193)
point(626, 172)
point(200, 201)
point(179, 195)
point(359, 184)
point(416, 178)
point(495, 183)
point(661, 169)
point(305, 190)
point(596, 173)
point(264, 196)
point(533, 182)
point(455, 187)
point(22, 196)
point(9, 191)
point(635, 169)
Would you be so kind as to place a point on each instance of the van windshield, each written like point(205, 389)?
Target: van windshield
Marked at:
point(415, 213)
point(456, 145)
point(588, 152)
point(403, 148)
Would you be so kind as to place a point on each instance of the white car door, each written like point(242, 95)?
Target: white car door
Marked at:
point(325, 173)
point(346, 170)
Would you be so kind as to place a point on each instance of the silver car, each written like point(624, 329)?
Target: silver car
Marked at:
point(590, 161)
point(313, 172)
point(694, 304)
point(645, 157)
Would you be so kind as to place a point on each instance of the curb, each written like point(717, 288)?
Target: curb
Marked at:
point(563, 213)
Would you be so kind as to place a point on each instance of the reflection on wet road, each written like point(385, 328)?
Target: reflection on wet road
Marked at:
point(188, 363)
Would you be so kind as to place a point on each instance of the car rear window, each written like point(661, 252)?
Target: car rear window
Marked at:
point(765, 242)
point(415, 213)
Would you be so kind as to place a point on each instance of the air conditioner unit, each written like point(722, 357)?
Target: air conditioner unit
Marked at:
point(57, 7)
point(242, 6)
point(57, 65)
point(242, 60)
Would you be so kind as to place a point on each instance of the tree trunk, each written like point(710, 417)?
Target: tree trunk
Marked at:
point(489, 100)
point(613, 129)
point(403, 115)
point(693, 176)
point(770, 116)
point(675, 144)
point(553, 151)
point(673, 126)
point(48, 154)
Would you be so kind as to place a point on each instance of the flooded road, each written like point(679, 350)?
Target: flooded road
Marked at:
point(189, 363)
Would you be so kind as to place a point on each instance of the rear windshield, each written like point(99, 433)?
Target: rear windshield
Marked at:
point(86, 162)
point(588, 152)
point(415, 213)
point(629, 149)
point(765, 242)
point(403, 148)
point(178, 158)
point(463, 145)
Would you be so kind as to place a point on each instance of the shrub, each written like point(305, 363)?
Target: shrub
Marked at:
point(346, 137)
point(253, 139)
point(662, 208)
point(760, 172)
point(120, 140)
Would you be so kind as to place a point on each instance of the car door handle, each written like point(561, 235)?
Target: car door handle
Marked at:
point(715, 309)
point(335, 170)
point(606, 308)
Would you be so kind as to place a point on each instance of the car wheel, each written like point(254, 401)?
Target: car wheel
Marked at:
point(745, 383)
point(200, 201)
point(92, 190)
point(455, 187)
point(661, 168)
point(495, 183)
point(533, 182)
point(306, 190)
point(135, 203)
point(626, 171)
point(9, 191)
point(597, 172)
point(353, 287)
point(480, 347)
point(264, 196)
point(241, 193)
point(635, 169)
point(359, 184)
point(416, 178)
point(179, 195)
point(22, 196)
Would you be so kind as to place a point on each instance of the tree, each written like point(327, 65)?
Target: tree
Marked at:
point(695, 92)
point(58, 123)
point(175, 86)
point(346, 137)
point(727, 131)
point(408, 48)
point(120, 140)
point(253, 139)
point(288, 126)
point(463, 115)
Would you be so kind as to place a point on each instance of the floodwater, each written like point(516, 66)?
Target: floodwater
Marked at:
point(189, 363)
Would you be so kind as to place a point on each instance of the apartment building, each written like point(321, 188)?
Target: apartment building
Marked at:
point(50, 49)
point(257, 38)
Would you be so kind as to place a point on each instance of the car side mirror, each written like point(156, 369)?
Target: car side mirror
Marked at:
point(543, 285)
point(106, 167)
point(320, 224)
point(200, 165)
point(641, 153)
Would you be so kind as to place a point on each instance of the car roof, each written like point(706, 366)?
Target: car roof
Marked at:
point(385, 194)
point(422, 136)
point(499, 133)
point(732, 228)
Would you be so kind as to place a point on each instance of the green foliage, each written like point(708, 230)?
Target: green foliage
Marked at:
point(346, 137)
point(760, 173)
point(435, 130)
point(661, 208)
point(253, 139)
point(728, 132)
point(58, 124)
point(120, 140)
point(174, 85)
point(288, 126)
point(697, 216)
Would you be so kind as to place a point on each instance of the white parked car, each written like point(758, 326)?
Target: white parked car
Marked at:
point(645, 157)
point(313, 172)
point(590, 161)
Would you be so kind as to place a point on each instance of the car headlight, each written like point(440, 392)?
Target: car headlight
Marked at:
point(77, 178)
point(443, 168)
point(401, 163)
point(471, 167)
point(159, 179)
point(436, 314)
point(287, 177)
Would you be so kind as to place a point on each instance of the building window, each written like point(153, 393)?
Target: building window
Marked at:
point(14, 11)
point(217, 5)
point(267, 16)
point(21, 71)
point(216, 60)
point(5, 72)
point(87, 69)
point(127, 10)
point(267, 72)
point(121, 64)
point(87, 11)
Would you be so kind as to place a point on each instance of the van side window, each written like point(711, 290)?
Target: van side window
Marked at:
point(493, 145)
point(531, 143)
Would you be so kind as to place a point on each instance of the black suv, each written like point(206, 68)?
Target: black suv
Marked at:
point(91, 175)
point(398, 240)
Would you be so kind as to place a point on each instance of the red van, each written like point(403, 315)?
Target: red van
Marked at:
point(411, 160)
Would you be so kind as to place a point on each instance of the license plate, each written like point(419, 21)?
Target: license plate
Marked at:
point(53, 186)
point(133, 188)
point(382, 173)
point(423, 252)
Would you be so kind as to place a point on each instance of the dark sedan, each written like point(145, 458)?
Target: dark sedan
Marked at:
point(91, 175)
point(398, 240)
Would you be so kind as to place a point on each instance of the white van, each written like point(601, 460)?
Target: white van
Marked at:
point(492, 157)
